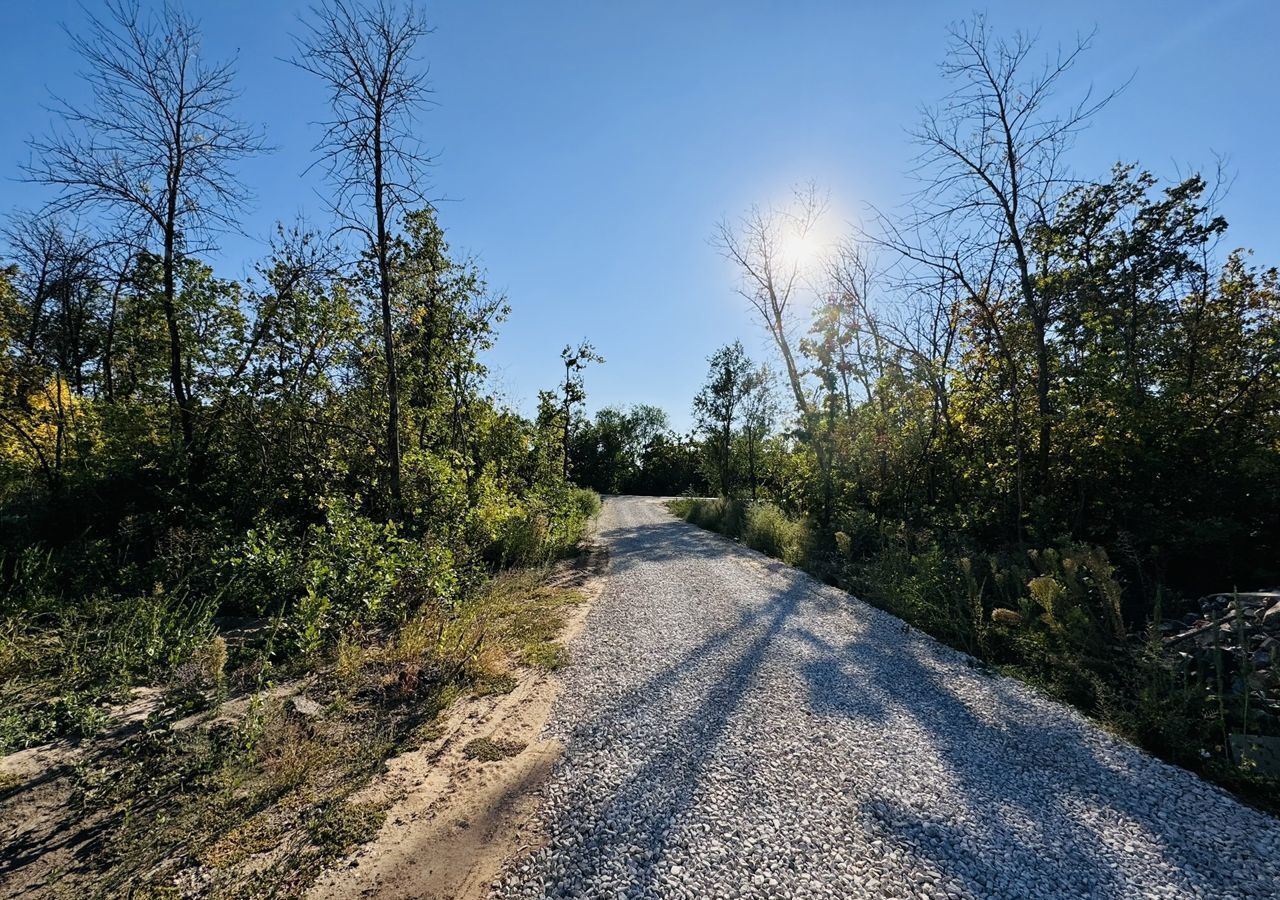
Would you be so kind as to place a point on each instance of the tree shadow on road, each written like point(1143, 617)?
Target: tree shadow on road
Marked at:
point(1037, 795)
point(723, 666)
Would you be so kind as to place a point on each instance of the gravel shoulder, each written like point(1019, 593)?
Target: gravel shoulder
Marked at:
point(733, 728)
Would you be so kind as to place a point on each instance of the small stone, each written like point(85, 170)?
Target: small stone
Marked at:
point(305, 706)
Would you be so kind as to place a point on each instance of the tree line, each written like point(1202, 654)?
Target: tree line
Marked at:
point(1031, 355)
point(1037, 413)
point(179, 448)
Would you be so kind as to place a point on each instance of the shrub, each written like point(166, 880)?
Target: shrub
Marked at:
point(348, 571)
point(548, 525)
point(586, 502)
point(520, 540)
point(916, 579)
point(492, 749)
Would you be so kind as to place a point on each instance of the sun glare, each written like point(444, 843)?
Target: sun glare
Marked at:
point(803, 250)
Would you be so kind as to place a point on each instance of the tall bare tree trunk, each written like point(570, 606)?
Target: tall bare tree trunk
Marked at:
point(169, 303)
point(388, 340)
point(364, 52)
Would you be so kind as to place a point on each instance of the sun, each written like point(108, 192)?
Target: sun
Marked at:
point(802, 250)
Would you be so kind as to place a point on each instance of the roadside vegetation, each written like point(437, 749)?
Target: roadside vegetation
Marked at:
point(1051, 619)
point(240, 783)
point(256, 535)
point(1036, 416)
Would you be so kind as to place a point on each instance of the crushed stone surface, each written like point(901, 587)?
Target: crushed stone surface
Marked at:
point(733, 728)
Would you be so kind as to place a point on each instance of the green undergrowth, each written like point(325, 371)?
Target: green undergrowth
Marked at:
point(247, 775)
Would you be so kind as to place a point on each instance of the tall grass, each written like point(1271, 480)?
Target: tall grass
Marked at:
point(761, 526)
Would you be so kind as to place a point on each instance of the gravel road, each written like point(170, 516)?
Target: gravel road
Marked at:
point(732, 728)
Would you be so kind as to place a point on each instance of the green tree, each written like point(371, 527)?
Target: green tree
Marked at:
point(718, 407)
point(573, 391)
point(759, 416)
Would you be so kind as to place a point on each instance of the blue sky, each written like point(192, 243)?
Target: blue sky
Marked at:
point(587, 149)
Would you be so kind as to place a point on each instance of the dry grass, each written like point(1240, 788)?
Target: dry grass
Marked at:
point(257, 834)
point(524, 615)
point(255, 797)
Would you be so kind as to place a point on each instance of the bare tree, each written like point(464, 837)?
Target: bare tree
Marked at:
point(365, 55)
point(155, 148)
point(864, 351)
point(50, 254)
point(994, 171)
point(770, 281)
point(115, 266)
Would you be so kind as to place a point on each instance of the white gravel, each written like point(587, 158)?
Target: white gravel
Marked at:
point(733, 728)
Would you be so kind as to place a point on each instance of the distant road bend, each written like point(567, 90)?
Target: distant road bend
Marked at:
point(732, 729)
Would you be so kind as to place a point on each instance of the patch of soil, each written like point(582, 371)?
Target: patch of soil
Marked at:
point(41, 833)
point(454, 818)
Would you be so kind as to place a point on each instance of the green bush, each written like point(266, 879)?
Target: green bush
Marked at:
point(74, 714)
point(520, 539)
point(586, 501)
point(548, 525)
point(348, 571)
point(339, 826)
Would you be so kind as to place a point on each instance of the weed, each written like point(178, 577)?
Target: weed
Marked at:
point(339, 827)
point(288, 754)
point(492, 749)
point(256, 835)
point(349, 663)
point(768, 530)
point(550, 656)
point(1052, 617)
point(425, 734)
point(487, 685)
point(261, 797)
